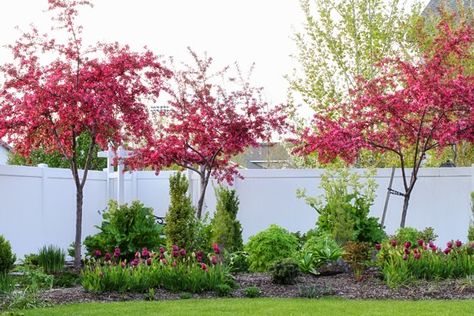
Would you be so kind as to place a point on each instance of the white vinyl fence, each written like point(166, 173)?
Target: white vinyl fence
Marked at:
point(37, 204)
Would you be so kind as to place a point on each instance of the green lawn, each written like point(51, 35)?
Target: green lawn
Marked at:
point(287, 307)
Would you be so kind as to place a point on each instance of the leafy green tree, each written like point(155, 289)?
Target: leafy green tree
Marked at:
point(226, 229)
point(342, 40)
point(57, 160)
point(180, 220)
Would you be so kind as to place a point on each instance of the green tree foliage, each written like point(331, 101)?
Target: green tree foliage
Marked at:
point(345, 205)
point(7, 258)
point(180, 219)
point(226, 229)
point(127, 227)
point(342, 40)
point(57, 160)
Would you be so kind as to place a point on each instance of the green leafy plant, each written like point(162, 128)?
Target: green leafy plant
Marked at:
point(357, 256)
point(31, 260)
point(238, 261)
point(412, 235)
point(180, 220)
point(203, 234)
point(285, 271)
point(20, 300)
point(316, 251)
point(51, 259)
point(129, 228)
point(252, 292)
point(66, 279)
point(7, 258)
point(150, 296)
point(345, 205)
point(269, 246)
point(223, 290)
point(7, 283)
point(34, 280)
point(226, 229)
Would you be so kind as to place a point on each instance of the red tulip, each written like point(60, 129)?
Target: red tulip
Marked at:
point(216, 248)
point(417, 256)
point(97, 253)
point(214, 260)
point(449, 244)
point(458, 243)
point(145, 253)
point(407, 244)
point(204, 266)
point(378, 246)
point(117, 252)
point(447, 251)
point(405, 257)
point(420, 242)
point(107, 256)
point(393, 242)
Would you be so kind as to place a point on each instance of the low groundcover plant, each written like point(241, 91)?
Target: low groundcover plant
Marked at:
point(175, 270)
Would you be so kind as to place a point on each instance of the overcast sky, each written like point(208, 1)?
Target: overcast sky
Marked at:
point(246, 31)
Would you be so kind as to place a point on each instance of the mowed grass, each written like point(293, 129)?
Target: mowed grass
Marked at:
point(265, 306)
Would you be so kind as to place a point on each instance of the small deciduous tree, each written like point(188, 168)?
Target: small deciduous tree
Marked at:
point(212, 118)
point(409, 109)
point(56, 91)
point(341, 41)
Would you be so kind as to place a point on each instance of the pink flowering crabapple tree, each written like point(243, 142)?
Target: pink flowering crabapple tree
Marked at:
point(55, 91)
point(410, 109)
point(212, 118)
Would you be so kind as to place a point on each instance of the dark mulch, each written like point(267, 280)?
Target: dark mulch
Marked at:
point(340, 285)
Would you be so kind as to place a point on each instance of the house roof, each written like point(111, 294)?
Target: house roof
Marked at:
point(434, 5)
point(5, 145)
point(267, 155)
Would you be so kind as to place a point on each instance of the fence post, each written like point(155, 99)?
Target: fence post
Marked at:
point(43, 167)
point(120, 176)
point(134, 186)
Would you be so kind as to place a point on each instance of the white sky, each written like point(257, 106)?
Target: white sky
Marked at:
point(246, 31)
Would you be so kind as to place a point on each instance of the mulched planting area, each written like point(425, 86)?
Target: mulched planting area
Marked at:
point(341, 285)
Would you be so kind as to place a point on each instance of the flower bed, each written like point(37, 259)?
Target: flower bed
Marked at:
point(402, 263)
point(174, 270)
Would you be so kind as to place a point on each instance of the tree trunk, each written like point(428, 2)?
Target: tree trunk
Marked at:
point(78, 239)
point(202, 194)
point(406, 200)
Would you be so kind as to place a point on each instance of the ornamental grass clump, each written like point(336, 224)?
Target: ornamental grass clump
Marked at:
point(51, 259)
point(175, 269)
point(403, 263)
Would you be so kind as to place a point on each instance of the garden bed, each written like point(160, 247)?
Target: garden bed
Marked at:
point(341, 285)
